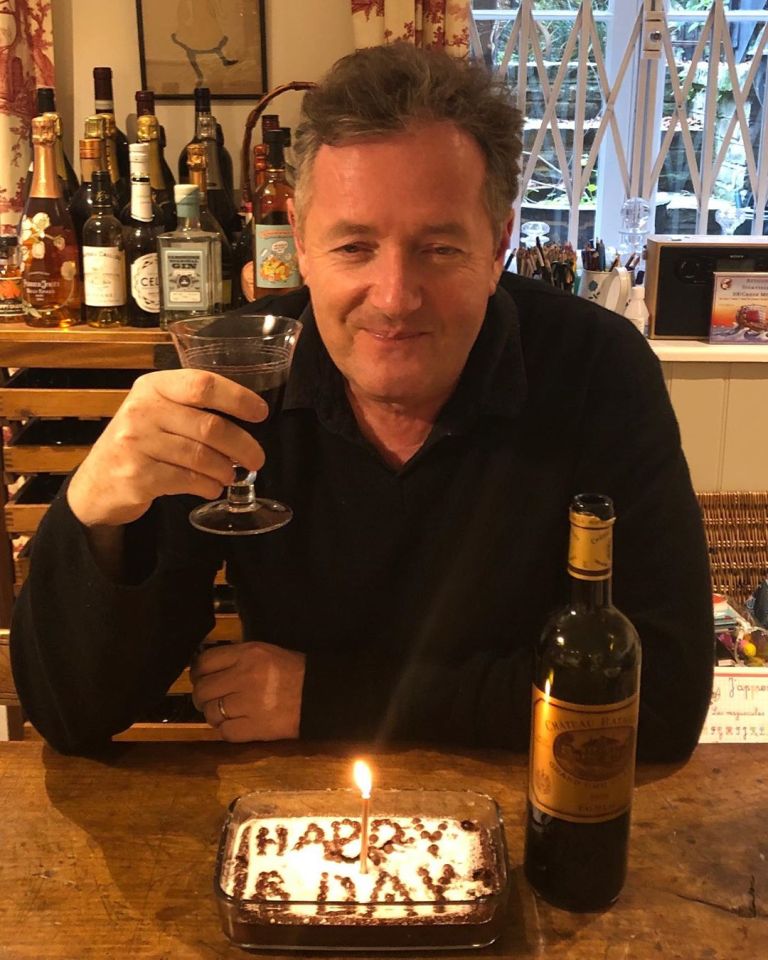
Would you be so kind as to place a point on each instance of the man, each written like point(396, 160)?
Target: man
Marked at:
point(434, 431)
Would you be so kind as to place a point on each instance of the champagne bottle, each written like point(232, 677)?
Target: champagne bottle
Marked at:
point(145, 107)
point(148, 131)
point(276, 266)
point(118, 179)
point(203, 109)
point(187, 258)
point(197, 163)
point(140, 233)
point(104, 103)
point(583, 729)
point(104, 260)
point(46, 103)
point(51, 282)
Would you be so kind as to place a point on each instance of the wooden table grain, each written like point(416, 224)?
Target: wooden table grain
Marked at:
point(113, 857)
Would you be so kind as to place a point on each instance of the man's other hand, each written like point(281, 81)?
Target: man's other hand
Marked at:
point(250, 691)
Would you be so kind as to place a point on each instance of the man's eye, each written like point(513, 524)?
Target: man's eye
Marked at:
point(444, 251)
point(350, 248)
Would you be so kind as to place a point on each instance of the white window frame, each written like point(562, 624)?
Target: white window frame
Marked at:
point(632, 76)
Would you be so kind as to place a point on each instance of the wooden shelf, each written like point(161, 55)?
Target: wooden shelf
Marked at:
point(122, 348)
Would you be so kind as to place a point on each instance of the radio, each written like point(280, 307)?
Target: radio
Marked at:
point(679, 284)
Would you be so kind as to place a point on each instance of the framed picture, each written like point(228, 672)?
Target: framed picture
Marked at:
point(220, 44)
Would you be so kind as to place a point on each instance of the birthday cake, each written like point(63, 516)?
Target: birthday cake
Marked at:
point(289, 872)
point(415, 865)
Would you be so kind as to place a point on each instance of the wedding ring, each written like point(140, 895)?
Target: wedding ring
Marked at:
point(222, 711)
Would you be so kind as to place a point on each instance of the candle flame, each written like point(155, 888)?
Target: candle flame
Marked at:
point(363, 778)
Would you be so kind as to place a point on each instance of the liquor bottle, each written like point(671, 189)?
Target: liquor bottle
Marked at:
point(220, 201)
point(197, 163)
point(147, 131)
point(104, 103)
point(203, 109)
point(104, 260)
point(187, 258)
point(145, 107)
point(119, 180)
point(583, 729)
point(11, 302)
point(50, 279)
point(269, 121)
point(140, 233)
point(276, 266)
point(81, 205)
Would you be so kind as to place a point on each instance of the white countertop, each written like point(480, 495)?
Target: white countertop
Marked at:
point(699, 351)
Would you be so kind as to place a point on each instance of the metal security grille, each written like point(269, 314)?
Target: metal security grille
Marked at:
point(661, 99)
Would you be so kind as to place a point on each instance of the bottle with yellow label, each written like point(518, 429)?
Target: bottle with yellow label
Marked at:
point(583, 729)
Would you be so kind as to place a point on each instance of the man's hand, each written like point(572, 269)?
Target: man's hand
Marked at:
point(250, 691)
point(165, 439)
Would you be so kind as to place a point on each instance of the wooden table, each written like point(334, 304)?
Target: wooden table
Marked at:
point(110, 858)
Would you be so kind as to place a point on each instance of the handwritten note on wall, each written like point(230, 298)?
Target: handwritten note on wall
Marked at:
point(739, 709)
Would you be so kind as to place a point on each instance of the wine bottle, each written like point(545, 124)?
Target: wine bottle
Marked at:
point(187, 258)
point(147, 131)
point(104, 103)
point(225, 161)
point(242, 259)
point(197, 163)
point(140, 233)
point(50, 277)
point(104, 260)
point(583, 729)
point(81, 204)
point(276, 266)
point(220, 201)
point(203, 108)
point(145, 107)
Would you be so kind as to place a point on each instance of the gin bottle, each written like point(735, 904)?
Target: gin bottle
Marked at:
point(189, 262)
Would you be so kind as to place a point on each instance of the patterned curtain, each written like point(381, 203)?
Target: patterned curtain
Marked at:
point(26, 62)
point(425, 23)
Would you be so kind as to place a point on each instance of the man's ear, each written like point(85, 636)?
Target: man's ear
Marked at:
point(502, 251)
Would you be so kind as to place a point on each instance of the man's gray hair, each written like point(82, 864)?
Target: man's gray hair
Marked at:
point(383, 90)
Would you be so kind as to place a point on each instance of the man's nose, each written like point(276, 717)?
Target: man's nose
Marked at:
point(395, 285)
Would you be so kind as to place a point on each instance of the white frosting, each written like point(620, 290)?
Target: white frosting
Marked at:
point(316, 859)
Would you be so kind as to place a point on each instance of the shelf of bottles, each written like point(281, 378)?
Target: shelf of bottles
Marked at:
point(127, 246)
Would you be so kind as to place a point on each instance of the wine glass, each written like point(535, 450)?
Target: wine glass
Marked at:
point(254, 350)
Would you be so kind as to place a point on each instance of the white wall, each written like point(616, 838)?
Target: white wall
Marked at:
point(304, 37)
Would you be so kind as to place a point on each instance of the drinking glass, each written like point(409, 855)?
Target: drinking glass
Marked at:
point(256, 351)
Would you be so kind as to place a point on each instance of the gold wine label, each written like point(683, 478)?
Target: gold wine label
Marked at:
point(591, 547)
point(582, 758)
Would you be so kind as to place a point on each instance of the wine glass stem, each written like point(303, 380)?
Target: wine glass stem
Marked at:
point(241, 494)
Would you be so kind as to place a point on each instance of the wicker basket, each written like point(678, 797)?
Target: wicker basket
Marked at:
point(250, 123)
point(736, 525)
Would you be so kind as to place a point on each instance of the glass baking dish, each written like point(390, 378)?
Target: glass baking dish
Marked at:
point(288, 871)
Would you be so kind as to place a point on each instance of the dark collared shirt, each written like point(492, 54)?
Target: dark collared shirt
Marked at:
point(416, 593)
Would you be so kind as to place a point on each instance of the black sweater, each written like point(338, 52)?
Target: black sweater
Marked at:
point(415, 593)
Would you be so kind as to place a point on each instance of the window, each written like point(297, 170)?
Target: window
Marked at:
point(612, 111)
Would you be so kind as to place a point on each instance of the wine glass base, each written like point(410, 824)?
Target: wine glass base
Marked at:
point(260, 517)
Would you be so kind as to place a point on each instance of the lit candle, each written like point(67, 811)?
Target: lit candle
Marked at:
point(364, 780)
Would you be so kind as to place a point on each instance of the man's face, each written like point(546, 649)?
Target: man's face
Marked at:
point(400, 257)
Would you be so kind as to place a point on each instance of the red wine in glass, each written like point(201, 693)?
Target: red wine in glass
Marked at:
point(254, 350)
